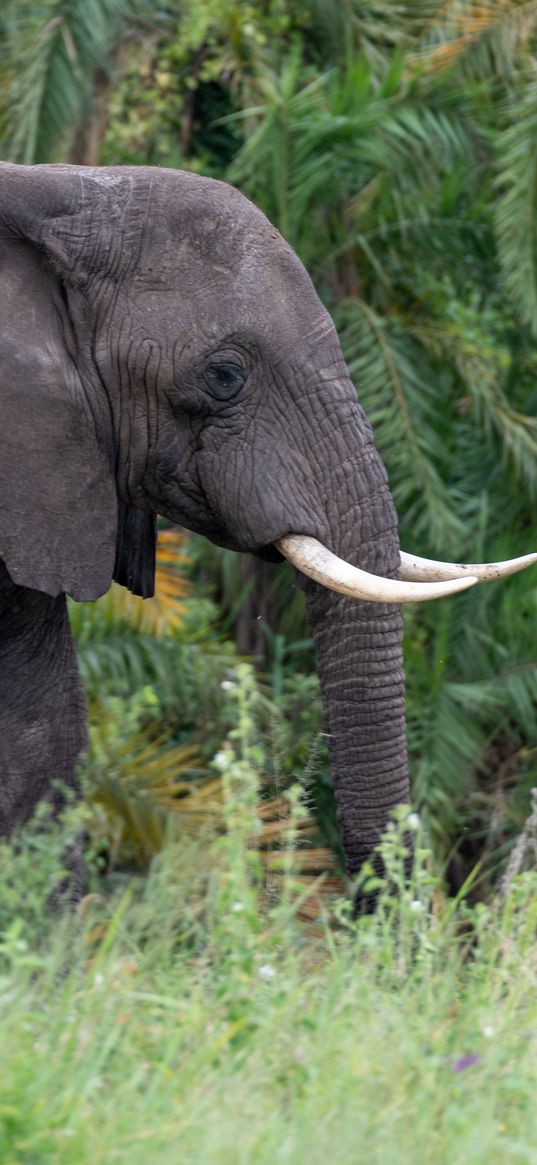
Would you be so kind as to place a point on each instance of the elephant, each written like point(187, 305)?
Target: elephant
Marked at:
point(164, 352)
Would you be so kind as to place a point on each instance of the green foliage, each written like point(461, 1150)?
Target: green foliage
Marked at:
point(129, 1024)
point(54, 50)
point(393, 144)
point(134, 780)
point(33, 871)
point(516, 208)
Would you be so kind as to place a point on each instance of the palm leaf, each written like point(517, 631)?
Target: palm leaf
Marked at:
point(340, 125)
point(164, 612)
point(122, 635)
point(402, 406)
point(53, 50)
point(150, 789)
point(141, 784)
point(481, 37)
point(483, 363)
point(516, 207)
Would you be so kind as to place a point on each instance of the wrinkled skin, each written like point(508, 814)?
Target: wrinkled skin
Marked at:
point(164, 351)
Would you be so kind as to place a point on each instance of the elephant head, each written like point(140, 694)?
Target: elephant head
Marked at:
point(164, 351)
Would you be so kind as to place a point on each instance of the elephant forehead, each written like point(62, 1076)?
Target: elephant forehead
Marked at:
point(265, 292)
point(207, 252)
point(204, 220)
point(199, 216)
point(280, 324)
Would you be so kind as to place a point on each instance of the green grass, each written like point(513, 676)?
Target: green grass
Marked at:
point(159, 1029)
point(188, 1016)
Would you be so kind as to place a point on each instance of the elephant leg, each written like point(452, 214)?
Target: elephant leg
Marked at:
point(42, 706)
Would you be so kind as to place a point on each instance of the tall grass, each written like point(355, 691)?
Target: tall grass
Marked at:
point(191, 1017)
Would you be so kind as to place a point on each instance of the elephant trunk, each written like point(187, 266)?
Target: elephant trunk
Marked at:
point(359, 659)
point(359, 662)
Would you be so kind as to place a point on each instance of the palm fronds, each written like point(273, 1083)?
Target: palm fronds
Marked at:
point(318, 143)
point(516, 206)
point(140, 784)
point(123, 635)
point(295, 861)
point(403, 407)
point(394, 145)
point(53, 51)
point(478, 37)
point(164, 612)
point(148, 793)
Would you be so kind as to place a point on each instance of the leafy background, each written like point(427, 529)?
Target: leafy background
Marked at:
point(393, 144)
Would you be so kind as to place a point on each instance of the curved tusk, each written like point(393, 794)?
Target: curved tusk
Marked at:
point(318, 563)
point(424, 569)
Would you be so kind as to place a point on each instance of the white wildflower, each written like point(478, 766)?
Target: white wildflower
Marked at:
point(413, 821)
point(266, 972)
point(222, 760)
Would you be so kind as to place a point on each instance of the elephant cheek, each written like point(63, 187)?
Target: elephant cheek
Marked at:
point(255, 500)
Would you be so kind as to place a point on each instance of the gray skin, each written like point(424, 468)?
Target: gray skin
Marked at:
point(164, 351)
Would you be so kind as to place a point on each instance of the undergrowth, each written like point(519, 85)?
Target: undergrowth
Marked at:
point(191, 1016)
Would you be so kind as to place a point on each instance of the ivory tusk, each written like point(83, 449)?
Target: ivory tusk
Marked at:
point(426, 569)
point(318, 563)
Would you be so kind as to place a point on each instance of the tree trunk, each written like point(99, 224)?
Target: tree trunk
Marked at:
point(87, 139)
point(254, 613)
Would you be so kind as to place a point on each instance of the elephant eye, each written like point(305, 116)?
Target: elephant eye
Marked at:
point(224, 380)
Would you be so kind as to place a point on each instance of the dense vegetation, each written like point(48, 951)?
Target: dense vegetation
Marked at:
point(211, 999)
point(394, 146)
point(192, 1016)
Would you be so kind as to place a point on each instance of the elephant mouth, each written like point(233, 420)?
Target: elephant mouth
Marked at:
point(269, 553)
point(421, 578)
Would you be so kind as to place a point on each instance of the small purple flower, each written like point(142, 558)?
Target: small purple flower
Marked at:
point(465, 1062)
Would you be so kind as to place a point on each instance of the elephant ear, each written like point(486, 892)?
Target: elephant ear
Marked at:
point(59, 510)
